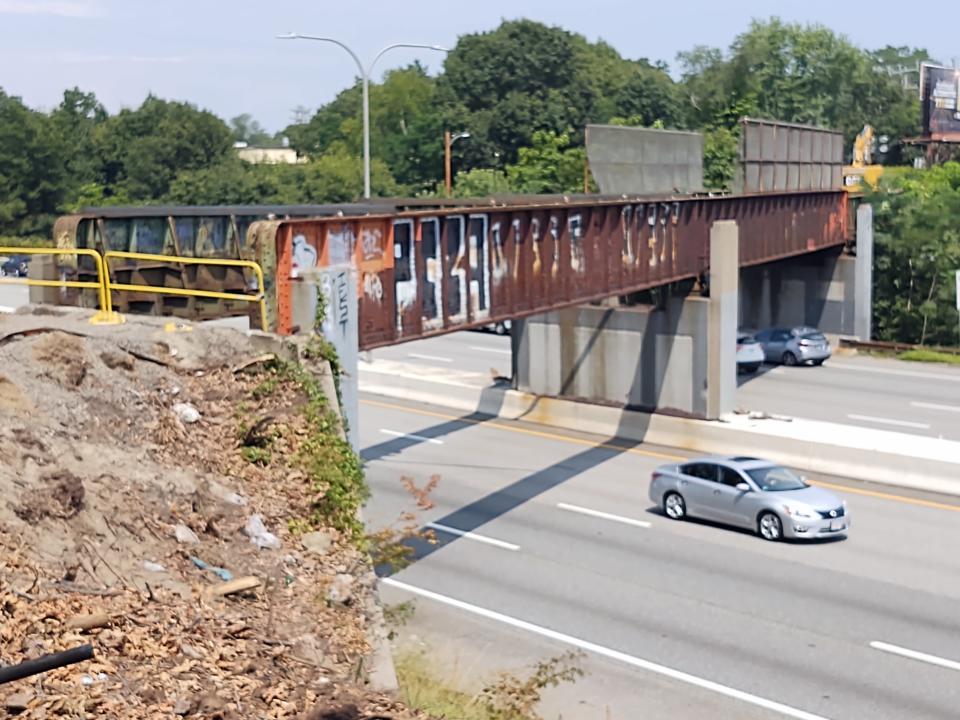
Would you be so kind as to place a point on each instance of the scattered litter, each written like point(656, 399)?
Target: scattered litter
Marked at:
point(187, 413)
point(153, 567)
point(341, 589)
point(317, 542)
point(258, 534)
point(235, 499)
point(220, 572)
point(186, 536)
point(88, 680)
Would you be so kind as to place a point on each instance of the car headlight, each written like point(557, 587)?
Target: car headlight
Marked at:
point(801, 511)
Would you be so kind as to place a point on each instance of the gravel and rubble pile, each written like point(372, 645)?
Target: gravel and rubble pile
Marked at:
point(131, 520)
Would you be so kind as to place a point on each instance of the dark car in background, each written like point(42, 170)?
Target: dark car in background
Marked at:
point(16, 266)
point(794, 346)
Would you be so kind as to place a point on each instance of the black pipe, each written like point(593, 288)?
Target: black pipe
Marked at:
point(45, 663)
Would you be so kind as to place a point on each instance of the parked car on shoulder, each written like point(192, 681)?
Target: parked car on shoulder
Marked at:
point(769, 499)
point(794, 346)
point(500, 328)
point(749, 354)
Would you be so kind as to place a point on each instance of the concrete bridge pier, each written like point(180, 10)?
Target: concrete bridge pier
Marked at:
point(676, 355)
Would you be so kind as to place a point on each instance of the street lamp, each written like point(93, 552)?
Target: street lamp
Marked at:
point(365, 75)
point(447, 159)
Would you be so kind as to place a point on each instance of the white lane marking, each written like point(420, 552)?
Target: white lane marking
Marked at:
point(605, 516)
point(435, 358)
point(608, 652)
point(902, 373)
point(914, 655)
point(398, 434)
point(474, 536)
point(888, 421)
point(935, 406)
point(491, 350)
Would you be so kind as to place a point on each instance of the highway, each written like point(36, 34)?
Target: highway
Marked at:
point(13, 296)
point(882, 394)
point(548, 543)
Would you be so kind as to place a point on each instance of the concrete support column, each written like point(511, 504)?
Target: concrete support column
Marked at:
point(722, 323)
point(863, 273)
point(337, 286)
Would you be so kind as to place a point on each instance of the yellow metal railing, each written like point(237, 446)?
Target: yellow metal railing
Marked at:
point(105, 315)
point(260, 297)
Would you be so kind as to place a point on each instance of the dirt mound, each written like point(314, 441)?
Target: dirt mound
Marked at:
point(156, 536)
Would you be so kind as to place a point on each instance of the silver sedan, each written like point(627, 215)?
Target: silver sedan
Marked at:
point(750, 493)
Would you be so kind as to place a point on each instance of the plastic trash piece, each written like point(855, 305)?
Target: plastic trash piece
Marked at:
point(259, 535)
point(220, 572)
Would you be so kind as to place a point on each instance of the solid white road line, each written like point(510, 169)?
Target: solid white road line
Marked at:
point(498, 351)
point(605, 516)
point(434, 358)
point(887, 421)
point(474, 536)
point(914, 655)
point(395, 433)
point(935, 406)
point(901, 373)
point(590, 647)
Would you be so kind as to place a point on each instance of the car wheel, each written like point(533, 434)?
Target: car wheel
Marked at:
point(770, 527)
point(501, 329)
point(818, 363)
point(674, 506)
point(789, 359)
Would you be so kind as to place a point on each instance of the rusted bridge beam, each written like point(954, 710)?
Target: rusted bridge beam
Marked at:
point(431, 272)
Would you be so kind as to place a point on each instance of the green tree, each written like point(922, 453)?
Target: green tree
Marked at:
point(245, 129)
point(32, 169)
point(506, 85)
point(796, 73)
point(405, 129)
point(481, 182)
point(550, 165)
point(141, 151)
point(328, 179)
point(917, 254)
point(76, 120)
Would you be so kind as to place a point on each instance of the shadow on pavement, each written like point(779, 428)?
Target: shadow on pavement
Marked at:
point(474, 515)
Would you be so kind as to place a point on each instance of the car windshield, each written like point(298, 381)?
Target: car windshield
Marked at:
point(746, 340)
point(774, 478)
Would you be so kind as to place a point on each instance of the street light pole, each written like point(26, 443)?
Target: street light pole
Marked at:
point(448, 142)
point(365, 73)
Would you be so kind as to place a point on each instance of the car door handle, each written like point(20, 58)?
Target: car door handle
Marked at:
point(683, 482)
point(716, 492)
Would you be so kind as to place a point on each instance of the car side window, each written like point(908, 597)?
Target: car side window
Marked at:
point(702, 471)
point(730, 477)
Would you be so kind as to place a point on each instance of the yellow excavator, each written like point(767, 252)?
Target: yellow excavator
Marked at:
point(861, 170)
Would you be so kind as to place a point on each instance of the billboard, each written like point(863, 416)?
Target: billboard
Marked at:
point(940, 99)
point(786, 157)
point(644, 161)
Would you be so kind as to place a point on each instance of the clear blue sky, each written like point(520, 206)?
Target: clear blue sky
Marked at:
point(221, 55)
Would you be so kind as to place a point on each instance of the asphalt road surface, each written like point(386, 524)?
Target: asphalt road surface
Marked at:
point(868, 392)
point(13, 296)
point(548, 543)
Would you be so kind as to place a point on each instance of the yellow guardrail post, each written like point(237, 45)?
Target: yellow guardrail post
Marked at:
point(259, 298)
point(105, 314)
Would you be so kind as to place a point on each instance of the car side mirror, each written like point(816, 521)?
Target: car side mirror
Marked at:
point(743, 487)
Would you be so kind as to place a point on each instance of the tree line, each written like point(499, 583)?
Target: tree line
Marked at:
point(524, 92)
